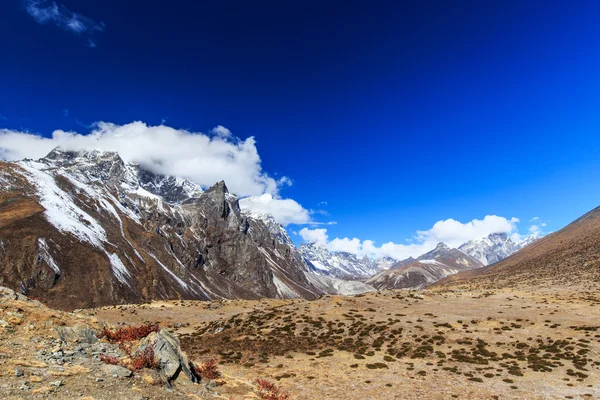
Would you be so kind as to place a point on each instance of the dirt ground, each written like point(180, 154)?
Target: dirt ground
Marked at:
point(479, 344)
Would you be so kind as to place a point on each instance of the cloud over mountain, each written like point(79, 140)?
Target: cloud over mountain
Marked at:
point(450, 231)
point(202, 158)
point(285, 211)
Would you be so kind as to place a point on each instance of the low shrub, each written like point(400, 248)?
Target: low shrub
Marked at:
point(208, 370)
point(111, 360)
point(128, 333)
point(143, 359)
point(270, 391)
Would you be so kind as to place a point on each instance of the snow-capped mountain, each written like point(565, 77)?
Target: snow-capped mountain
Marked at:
point(494, 247)
point(425, 270)
point(83, 228)
point(340, 264)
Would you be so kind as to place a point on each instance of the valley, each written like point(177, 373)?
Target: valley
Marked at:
point(432, 344)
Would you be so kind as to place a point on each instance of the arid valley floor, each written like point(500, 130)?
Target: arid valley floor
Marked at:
point(436, 344)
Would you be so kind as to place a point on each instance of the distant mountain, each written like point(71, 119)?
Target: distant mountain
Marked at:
point(429, 268)
point(341, 265)
point(494, 247)
point(569, 257)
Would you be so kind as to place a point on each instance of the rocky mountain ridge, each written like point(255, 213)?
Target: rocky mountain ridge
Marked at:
point(131, 235)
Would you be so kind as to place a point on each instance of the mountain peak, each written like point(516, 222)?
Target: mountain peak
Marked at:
point(218, 187)
point(441, 245)
point(60, 154)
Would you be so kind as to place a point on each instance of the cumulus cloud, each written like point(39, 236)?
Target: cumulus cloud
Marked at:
point(317, 236)
point(204, 159)
point(284, 211)
point(222, 132)
point(455, 233)
point(450, 231)
point(49, 12)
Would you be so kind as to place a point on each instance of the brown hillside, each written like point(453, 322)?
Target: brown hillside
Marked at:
point(569, 257)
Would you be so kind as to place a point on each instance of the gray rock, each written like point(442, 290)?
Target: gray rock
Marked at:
point(18, 372)
point(169, 356)
point(117, 371)
point(56, 383)
point(78, 333)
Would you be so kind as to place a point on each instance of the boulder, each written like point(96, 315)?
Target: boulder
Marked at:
point(77, 333)
point(169, 356)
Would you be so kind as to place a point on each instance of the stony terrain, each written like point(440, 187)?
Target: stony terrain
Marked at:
point(45, 353)
point(494, 344)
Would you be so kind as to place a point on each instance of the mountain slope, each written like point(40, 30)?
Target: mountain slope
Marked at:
point(568, 257)
point(429, 268)
point(341, 264)
point(81, 229)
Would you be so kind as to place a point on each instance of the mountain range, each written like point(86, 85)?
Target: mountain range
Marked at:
point(132, 235)
point(84, 228)
point(387, 273)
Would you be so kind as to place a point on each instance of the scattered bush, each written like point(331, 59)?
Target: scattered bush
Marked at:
point(269, 391)
point(128, 333)
point(208, 370)
point(143, 359)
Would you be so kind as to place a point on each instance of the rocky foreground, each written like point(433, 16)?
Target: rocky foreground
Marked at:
point(46, 353)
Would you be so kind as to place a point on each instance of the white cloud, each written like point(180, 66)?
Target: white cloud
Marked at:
point(222, 132)
point(455, 233)
point(49, 12)
point(317, 236)
point(537, 229)
point(284, 211)
point(450, 231)
point(202, 158)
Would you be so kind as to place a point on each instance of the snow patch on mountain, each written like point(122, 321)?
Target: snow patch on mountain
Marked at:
point(61, 210)
point(494, 247)
point(340, 264)
point(45, 254)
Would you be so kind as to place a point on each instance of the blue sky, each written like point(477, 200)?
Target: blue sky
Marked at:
point(396, 114)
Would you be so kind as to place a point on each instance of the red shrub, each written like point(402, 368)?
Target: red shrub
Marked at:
point(128, 333)
point(270, 391)
point(208, 370)
point(112, 360)
point(143, 359)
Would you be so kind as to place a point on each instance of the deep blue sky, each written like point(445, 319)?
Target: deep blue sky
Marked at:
point(397, 114)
